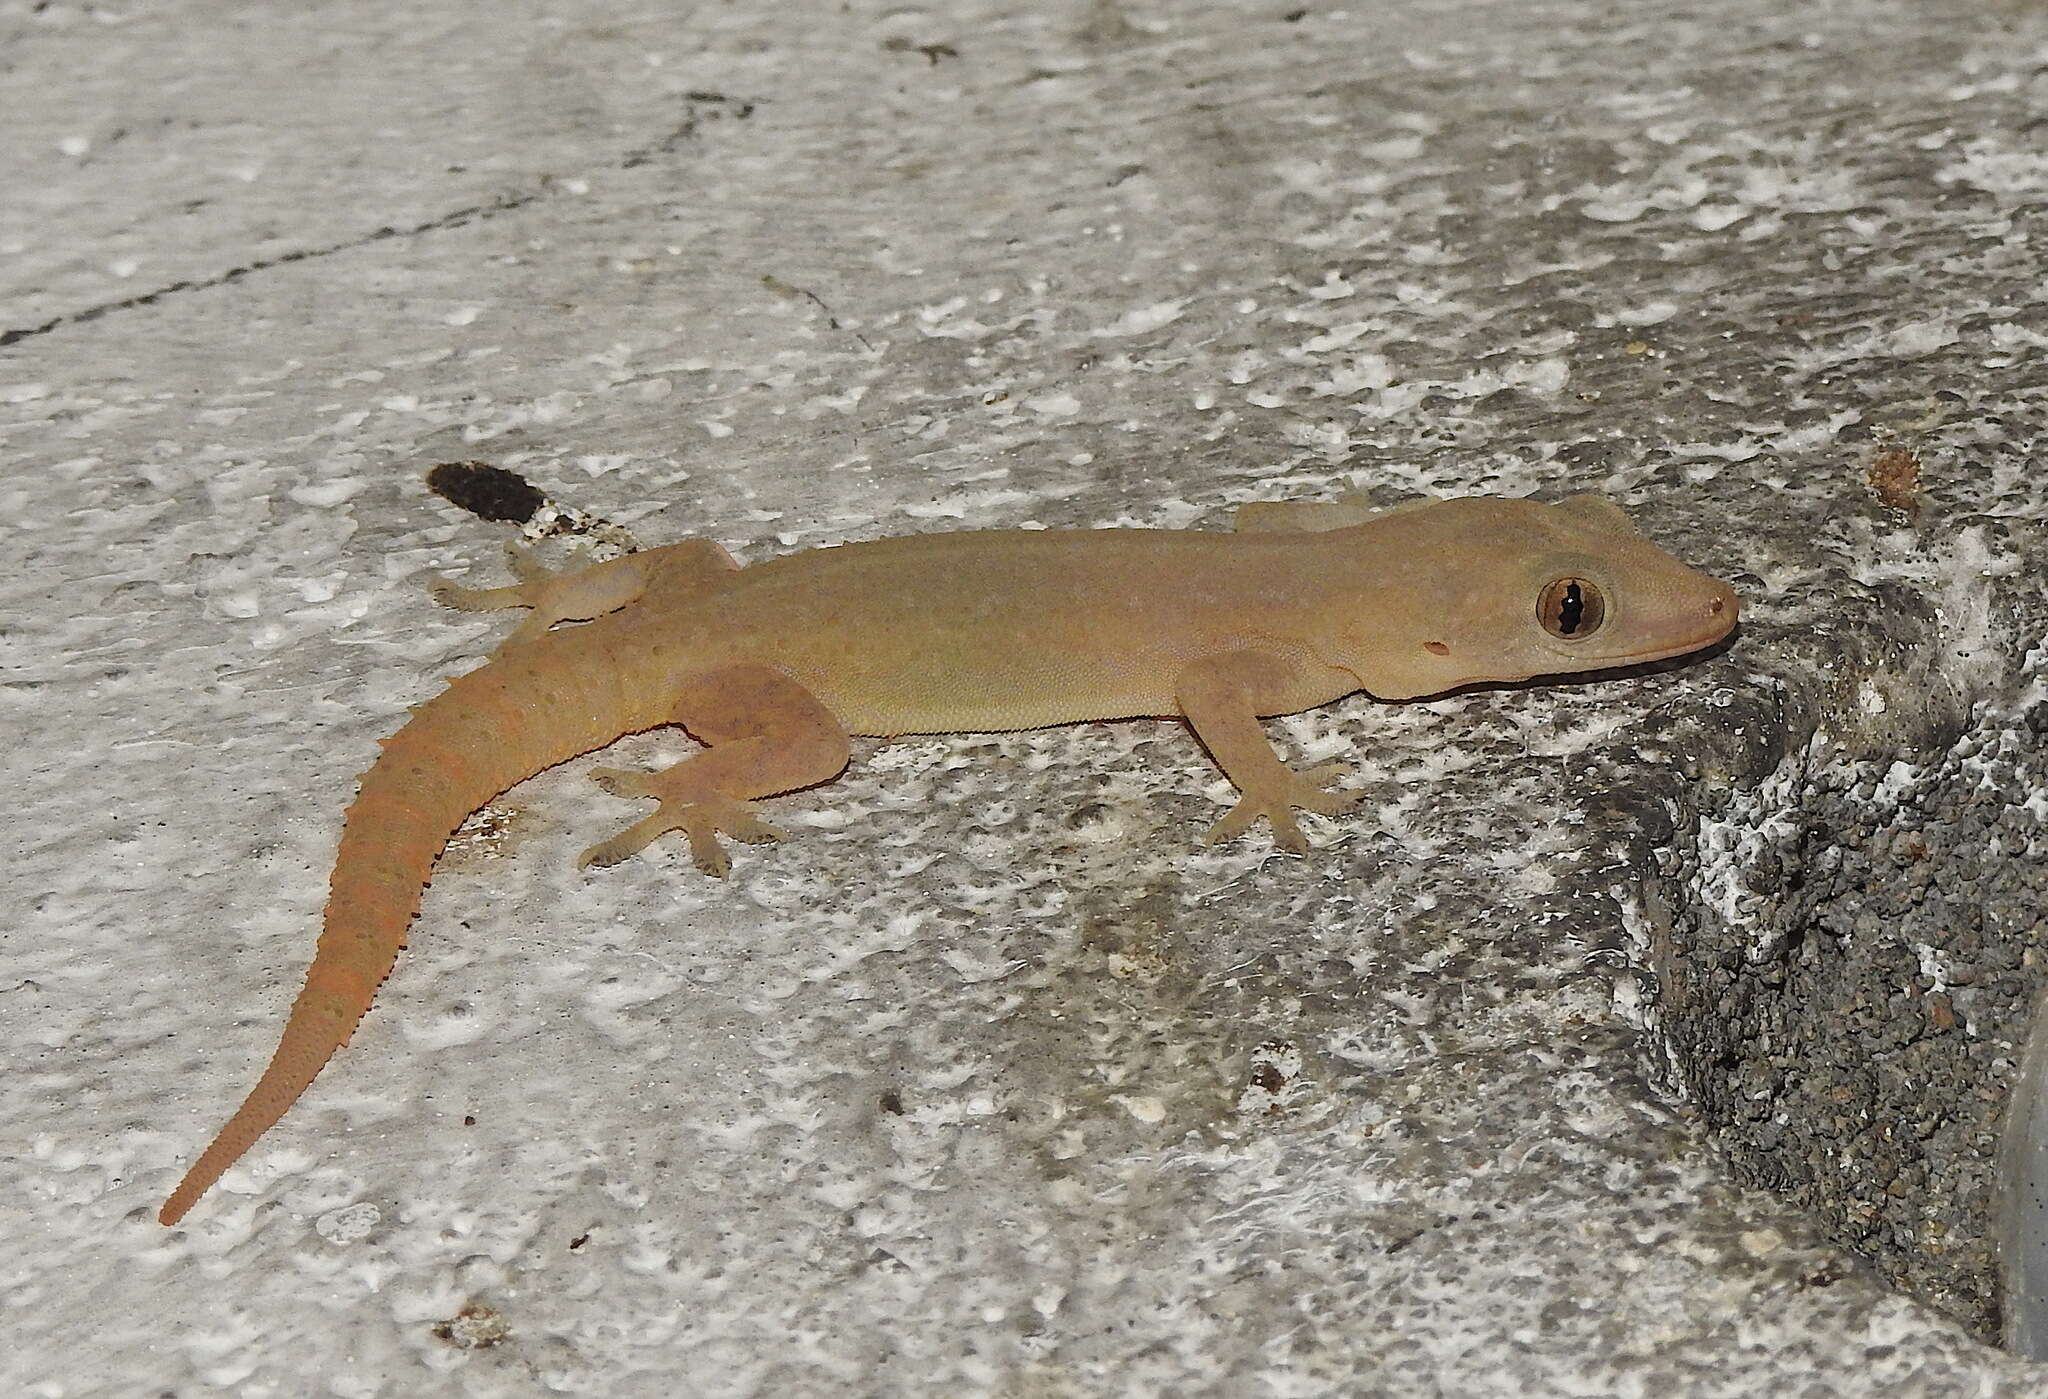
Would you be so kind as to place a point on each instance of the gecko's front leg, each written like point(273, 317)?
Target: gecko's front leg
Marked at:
point(1222, 697)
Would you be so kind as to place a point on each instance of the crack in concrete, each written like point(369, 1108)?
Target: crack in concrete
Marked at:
point(457, 218)
point(699, 102)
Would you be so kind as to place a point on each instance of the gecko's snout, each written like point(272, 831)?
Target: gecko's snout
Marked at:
point(1723, 611)
point(1700, 612)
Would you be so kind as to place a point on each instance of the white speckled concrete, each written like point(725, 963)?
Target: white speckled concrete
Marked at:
point(994, 1081)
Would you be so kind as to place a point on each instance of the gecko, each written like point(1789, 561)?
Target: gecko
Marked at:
point(773, 667)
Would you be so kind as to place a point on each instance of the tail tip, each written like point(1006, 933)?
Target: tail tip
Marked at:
point(181, 1201)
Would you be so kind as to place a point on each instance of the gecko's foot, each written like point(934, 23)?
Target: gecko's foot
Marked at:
point(449, 593)
point(532, 590)
point(703, 817)
point(1304, 790)
point(533, 578)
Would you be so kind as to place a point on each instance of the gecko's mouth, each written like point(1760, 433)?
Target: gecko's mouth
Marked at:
point(1684, 648)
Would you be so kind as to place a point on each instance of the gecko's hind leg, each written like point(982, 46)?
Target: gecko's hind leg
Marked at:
point(767, 734)
point(554, 597)
point(580, 594)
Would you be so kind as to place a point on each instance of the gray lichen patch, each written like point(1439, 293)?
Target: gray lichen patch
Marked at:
point(1847, 957)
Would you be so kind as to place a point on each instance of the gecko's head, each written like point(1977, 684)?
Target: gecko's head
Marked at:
point(1512, 589)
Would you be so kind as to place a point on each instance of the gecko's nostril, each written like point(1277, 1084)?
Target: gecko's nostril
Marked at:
point(1718, 605)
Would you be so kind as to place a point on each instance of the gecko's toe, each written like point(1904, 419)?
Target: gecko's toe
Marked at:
point(1312, 795)
point(706, 852)
point(526, 565)
point(743, 825)
point(627, 843)
point(710, 819)
point(1286, 831)
point(1232, 824)
point(1333, 803)
point(606, 853)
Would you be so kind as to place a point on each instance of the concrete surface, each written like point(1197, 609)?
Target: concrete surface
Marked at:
point(996, 1082)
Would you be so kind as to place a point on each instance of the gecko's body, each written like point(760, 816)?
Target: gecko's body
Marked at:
point(775, 665)
point(1002, 633)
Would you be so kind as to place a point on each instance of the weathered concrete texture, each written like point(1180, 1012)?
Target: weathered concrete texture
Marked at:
point(1847, 983)
point(995, 1082)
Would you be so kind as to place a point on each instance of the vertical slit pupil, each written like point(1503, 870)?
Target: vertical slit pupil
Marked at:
point(1571, 612)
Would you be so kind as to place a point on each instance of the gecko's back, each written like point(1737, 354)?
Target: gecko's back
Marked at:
point(1006, 629)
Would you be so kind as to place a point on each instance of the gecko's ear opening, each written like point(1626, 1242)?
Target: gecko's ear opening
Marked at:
point(1599, 512)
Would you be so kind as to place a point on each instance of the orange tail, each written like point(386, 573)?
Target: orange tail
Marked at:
point(532, 708)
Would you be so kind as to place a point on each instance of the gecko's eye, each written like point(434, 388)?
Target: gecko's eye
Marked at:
point(1571, 608)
